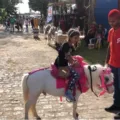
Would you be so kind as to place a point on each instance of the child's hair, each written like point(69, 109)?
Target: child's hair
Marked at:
point(73, 32)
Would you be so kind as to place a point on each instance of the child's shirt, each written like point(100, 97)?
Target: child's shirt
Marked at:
point(12, 21)
point(114, 42)
point(61, 61)
point(26, 22)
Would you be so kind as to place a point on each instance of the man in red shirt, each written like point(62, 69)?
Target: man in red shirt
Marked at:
point(113, 56)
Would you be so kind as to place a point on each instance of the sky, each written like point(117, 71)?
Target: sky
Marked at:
point(23, 7)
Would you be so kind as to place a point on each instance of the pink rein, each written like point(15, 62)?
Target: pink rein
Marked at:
point(106, 71)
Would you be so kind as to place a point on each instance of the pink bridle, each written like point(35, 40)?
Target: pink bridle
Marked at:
point(103, 85)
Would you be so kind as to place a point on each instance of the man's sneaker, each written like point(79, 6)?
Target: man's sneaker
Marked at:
point(117, 117)
point(112, 108)
point(69, 96)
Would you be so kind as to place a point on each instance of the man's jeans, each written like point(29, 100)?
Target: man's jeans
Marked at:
point(116, 72)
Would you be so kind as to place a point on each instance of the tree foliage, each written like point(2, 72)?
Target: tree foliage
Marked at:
point(39, 5)
point(3, 14)
point(9, 6)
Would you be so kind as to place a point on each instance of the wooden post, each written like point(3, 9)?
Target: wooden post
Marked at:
point(91, 18)
point(119, 4)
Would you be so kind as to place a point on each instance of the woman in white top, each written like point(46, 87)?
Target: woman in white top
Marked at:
point(26, 24)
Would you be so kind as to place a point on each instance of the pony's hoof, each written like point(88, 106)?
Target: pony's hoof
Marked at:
point(77, 115)
point(38, 118)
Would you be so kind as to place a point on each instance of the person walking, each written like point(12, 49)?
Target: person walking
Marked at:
point(27, 24)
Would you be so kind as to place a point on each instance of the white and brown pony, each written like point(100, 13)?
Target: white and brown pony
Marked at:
point(46, 29)
point(51, 34)
point(42, 81)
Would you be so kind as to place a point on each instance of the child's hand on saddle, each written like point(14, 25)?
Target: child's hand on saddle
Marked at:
point(75, 63)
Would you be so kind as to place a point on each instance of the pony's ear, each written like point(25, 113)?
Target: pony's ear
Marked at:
point(107, 70)
point(106, 65)
point(104, 68)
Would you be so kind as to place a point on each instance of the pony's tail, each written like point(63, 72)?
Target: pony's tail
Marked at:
point(25, 87)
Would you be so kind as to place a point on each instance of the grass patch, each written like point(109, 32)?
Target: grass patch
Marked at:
point(92, 56)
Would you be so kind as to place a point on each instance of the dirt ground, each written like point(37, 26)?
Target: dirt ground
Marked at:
point(19, 53)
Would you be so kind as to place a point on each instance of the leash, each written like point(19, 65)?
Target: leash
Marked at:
point(92, 70)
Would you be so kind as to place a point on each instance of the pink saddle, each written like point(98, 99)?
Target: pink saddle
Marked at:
point(62, 83)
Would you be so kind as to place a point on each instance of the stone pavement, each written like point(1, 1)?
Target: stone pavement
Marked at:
point(20, 54)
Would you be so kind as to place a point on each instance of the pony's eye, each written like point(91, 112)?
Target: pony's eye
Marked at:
point(106, 79)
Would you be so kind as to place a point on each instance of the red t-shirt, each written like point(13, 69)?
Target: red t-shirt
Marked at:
point(114, 40)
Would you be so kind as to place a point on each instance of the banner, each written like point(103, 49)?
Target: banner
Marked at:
point(50, 14)
point(50, 11)
point(49, 19)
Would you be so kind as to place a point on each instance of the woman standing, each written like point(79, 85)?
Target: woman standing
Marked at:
point(26, 24)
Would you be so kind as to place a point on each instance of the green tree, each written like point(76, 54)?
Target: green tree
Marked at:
point(3, 14)
point(39, 5)
point(7, 7)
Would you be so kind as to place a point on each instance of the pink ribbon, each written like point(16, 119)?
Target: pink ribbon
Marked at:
point(106, 71)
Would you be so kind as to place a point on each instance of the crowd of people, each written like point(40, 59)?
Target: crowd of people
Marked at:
point(92, 34)
point(95, 34)
point(68, 21)
point(18, 23)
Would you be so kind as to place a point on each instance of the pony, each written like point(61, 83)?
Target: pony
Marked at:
point(46, 29)
point(51, 33)
point(42, 81)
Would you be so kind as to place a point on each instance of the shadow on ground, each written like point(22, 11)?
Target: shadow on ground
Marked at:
point(11, 35)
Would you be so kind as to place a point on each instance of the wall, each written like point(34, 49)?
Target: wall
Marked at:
point(101, 11)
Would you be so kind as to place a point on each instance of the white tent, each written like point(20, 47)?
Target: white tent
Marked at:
point(35, 14)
